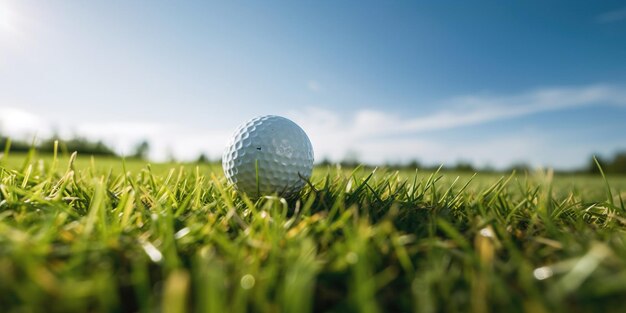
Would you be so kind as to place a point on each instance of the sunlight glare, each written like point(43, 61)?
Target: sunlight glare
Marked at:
point(6, 20)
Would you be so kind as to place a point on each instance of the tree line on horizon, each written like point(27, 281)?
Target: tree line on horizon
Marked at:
point(79, 144)
point(613, 165)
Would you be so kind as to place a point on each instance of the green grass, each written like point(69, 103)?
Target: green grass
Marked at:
point(107, 236)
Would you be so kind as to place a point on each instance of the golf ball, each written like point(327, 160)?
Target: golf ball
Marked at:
point(268, 155)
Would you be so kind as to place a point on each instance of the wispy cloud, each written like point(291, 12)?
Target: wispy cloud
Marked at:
point(376, 135)
point(472, 110)
point(381, 136)
point(612, 16)
point(465, 111)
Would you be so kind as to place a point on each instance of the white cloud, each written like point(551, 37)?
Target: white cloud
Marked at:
point(186, 143)
point(183, 142)
point(375, 135)
point(473, 110)
point(22, 124)
point(498, 152)
point(380, 136)
point(466, 111)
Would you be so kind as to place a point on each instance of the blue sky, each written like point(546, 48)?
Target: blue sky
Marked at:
point(491, 83)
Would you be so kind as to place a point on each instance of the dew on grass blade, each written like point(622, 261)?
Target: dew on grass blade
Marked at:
point(543, 272)
point(182, 233)
point(487, 232)
point(352, 258)
point(153, 253)
point(247, 281)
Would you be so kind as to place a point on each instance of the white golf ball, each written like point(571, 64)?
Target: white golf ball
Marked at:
point(268, 155)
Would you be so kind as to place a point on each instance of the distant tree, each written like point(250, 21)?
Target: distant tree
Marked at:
point(351, 159)
point(325, 162)
point(463, 166)
point(618, 166)
point(15, 145)
point(78, 144)
point(141, 150)
point(202, 158)
point(488, 169)
point(592, 167)
point(413, 164)
point(520, 168)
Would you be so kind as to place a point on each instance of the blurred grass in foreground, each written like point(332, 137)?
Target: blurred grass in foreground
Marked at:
point(102, 235)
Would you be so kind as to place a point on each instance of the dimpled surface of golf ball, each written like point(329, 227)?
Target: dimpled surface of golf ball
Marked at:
point(268, 155)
